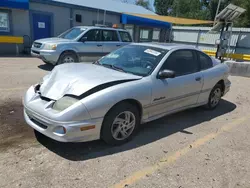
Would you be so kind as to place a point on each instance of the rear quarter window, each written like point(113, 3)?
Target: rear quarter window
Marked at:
point(205, 60)
point(125, 36)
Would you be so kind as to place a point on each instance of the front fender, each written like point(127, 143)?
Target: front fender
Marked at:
point(65, 47)
point(98, 104)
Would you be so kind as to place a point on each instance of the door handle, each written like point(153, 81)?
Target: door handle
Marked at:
point(118, 45)
point(99, 45)
point(198, 79)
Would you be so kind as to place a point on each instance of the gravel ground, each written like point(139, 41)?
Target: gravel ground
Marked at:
point(194, 148)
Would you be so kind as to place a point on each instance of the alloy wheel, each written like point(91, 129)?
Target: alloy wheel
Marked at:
point(123, 125)
point(216, 96)
point(68, 59)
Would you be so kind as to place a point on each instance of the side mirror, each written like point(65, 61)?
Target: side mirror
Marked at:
point(166, 74)
point(84, 39)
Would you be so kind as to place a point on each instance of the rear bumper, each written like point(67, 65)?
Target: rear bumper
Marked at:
point(48, 56)
point(75, 132)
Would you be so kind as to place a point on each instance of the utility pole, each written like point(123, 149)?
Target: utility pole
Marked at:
point(217, 11)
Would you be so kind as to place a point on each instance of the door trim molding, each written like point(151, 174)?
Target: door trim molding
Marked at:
point(31, 12)
point(176, 98)
point(160, 115)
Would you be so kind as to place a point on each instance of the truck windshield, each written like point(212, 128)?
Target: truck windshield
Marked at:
point(72, 33)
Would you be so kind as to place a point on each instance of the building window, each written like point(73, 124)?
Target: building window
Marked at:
point(4, 22)
point(156, 35)
point(145, 35)
point(79, 18)
point(130, 29)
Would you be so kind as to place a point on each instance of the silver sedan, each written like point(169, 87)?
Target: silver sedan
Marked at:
point(133, 85)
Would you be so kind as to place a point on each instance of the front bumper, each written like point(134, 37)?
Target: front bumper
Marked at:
point(75, 132)
point(79, 126)
point(49, 56)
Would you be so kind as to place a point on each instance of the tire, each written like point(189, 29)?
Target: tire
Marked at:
point(214, 100)
point(67, 57)
point(111, 125)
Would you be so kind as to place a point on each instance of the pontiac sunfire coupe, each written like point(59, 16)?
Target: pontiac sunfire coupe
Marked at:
point(133, 85)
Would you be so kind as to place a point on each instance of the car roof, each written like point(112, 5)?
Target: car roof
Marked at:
point(99, 27)
point(167, 46)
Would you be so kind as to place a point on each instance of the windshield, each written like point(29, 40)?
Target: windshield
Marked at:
point(72, 33)
point(134, 59)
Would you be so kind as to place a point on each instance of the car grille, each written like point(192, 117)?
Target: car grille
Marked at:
point(38, 123)
point(34, 120)
point(37, 45)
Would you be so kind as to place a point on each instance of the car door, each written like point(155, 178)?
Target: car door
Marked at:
point(174, 94)
point(110, 41)
point(91, 47)
point(209, 75)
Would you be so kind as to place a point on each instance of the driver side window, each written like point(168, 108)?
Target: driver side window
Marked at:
point(93, 35)
point(182, 62)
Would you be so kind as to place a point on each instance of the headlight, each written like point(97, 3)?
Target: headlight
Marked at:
point(50, 47)
point(64, 103)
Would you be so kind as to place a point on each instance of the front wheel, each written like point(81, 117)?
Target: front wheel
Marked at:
point(67, 57)
point(214, 97)
point(120, 124)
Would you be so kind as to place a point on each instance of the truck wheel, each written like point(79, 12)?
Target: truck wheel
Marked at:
point(67, 57)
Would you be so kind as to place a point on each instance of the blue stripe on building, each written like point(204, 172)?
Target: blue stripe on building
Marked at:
point(130, 19)
point(17, 4)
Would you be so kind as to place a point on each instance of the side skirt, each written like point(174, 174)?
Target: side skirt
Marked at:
point(171, 112)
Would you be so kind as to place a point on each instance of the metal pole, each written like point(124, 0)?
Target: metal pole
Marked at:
point(229, 52)
point(221, 37)
point(217, 11)
point(97, 17)
point(198, 39)
point(170, 35)
point(237, 43)
point(104, 19)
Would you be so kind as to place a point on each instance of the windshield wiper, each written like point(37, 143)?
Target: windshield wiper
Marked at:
point(118, 68)
point(114, 67)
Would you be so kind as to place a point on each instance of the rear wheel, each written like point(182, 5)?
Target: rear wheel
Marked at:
point(67, 57)
point(120, 124)
point(214, 97)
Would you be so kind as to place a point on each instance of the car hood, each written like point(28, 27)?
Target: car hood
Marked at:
point(54, 40)
point(77, 79)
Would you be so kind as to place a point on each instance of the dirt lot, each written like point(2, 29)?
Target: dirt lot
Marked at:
point(195, 148)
